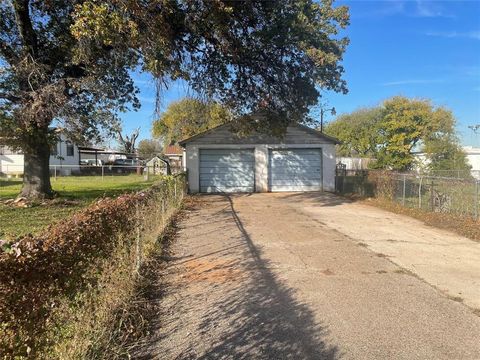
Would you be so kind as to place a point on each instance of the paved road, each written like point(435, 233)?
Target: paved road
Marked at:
point(264, 276)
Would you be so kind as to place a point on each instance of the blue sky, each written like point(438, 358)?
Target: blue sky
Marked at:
point(425, 49)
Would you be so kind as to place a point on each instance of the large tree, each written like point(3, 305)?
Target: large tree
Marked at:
point(357, 131)
point(68, 63)
point(442, 147)
point(188, 117)
point(127, 142)
point(393, 131)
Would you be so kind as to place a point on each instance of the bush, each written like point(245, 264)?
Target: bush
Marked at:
point(59, 290)
point(383, 184)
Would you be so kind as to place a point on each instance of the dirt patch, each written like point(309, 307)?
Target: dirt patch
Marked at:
point(327, 272)
point(213, 270)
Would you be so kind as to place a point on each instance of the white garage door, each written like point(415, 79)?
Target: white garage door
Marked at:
point(295, 169)
point(227, 170)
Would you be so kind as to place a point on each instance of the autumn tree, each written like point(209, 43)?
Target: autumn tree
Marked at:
point(68, 64)
point(407, 125)
point(358, 132)
point(393, 131)
point(442, 147)
point(188, 117)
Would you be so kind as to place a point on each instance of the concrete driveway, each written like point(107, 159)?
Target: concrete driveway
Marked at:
point(309, 276)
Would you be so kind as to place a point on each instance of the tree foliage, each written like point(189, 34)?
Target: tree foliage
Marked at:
point(393, 131)
point(69, 62)
point(358, 132)
point(148, 148)
point(188, 117)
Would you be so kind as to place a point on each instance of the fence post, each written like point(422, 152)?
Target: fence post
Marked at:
point(55, 171)
point(138, 246)
point(476, 199)
point(163, 213)
point(404, 188)
point(103, 171)
point(175, 190)
point(420, 193)
point(432, 200)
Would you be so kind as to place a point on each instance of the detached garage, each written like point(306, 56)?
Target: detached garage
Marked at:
point(218, 160)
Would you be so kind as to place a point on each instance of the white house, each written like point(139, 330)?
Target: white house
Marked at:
point(218, 160)
point(64, 157)
point(473, 157)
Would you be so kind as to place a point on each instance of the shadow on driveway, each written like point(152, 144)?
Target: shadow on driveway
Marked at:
point(236, 308)
point(317, 198)
point(266, 321)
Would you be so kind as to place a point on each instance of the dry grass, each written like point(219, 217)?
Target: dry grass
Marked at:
point(132, 321)
point(460, 225)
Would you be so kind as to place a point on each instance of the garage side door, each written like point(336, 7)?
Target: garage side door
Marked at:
point(295, 170)
point(227, 170)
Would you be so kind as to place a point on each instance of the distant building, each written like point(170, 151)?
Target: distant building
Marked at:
point(473, 157)
point(157, 166)
point(64, 155)
point(174, 154)
point(100, 156)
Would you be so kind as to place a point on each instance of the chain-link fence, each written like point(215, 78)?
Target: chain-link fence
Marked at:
point(457, 195)
point(15, 171)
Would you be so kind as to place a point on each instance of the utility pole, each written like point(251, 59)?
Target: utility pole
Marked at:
point(475, 128)
point(322, 112)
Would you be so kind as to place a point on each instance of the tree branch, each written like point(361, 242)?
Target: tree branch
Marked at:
point(8, 53)
point(10, 97)
point(25, 27)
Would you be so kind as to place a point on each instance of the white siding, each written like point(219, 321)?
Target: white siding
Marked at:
point(13, 164)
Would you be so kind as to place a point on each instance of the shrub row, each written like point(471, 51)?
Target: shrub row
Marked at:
point(60, 289)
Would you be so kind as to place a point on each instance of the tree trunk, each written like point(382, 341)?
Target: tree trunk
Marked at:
point(36, 172)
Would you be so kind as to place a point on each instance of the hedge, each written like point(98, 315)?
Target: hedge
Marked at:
point(59, 290)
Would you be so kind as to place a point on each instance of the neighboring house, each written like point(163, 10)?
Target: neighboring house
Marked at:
point(220, 161)
point(174, 154)
point(64, 157)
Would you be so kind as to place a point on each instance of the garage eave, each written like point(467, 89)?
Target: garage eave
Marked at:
point(307, 129)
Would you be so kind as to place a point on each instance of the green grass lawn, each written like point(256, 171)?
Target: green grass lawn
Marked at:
point(78, 190)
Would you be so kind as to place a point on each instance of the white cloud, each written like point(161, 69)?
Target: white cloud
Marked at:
point(383, 9)
point(413, 82)
point(430, 9)
point(416, 8)
point(455, 34)
point(149, 100)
